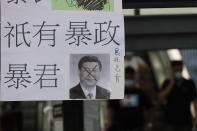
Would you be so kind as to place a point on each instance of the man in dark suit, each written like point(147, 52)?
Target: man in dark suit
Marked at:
point(89, 74)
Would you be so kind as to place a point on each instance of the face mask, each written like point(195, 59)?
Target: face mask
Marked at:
point(178, 75)
point(129, 83)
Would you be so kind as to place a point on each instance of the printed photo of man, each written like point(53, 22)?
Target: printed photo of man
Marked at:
point(90, 68)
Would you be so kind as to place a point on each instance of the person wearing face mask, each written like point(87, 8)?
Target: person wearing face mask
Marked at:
point(177, 95)
point(128, 114)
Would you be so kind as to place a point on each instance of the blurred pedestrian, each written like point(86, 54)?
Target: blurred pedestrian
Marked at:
point(177, 95)
point(128, 114)
point(10, 118)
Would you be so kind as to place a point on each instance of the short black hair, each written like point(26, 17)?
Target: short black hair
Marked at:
point(176, 63)
point(130, 70)
point(89, 59)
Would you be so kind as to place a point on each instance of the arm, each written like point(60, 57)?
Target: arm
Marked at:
point(168, 88)
point(195, 109)
point(165, 93)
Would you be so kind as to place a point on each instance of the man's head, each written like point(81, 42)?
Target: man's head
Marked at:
point(89, 70)
point(91, 4)
point(129, 77)
point(177, 68)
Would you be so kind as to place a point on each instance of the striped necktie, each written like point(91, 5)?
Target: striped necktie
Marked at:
point(90, 96)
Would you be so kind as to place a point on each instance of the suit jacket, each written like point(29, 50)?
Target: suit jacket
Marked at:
point(77, 93)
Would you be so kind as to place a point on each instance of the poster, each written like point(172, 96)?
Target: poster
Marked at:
point(49, 54)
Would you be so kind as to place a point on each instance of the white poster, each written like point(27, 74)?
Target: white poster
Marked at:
point(49, 54)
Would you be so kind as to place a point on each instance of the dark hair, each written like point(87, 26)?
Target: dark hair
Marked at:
point(91, 4)
point(4, 105)
point(176, 63)
point(89, 59)
point(130, 70)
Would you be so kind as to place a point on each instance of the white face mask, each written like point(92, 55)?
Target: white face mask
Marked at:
point(129, 83)
point(178, 75)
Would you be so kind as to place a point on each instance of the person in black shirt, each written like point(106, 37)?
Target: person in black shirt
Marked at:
point(128, 114)
point(11, 119)
point(177, 95)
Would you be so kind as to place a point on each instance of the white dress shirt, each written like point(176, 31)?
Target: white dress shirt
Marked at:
point(87, 91)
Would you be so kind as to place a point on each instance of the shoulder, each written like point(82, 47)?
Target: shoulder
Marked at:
point(75, 92)
point(101, 89)
point(102, 93)
point(189, 82)
point(75, 88)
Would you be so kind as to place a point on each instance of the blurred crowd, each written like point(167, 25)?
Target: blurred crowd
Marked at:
point(147, 108)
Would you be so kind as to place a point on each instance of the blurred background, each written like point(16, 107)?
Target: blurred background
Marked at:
point(155, 36)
